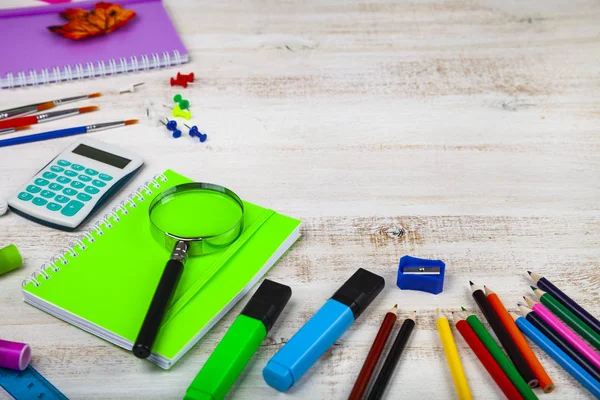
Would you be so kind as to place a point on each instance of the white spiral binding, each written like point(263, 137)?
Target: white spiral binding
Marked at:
point(90, 237)
point(90, 70)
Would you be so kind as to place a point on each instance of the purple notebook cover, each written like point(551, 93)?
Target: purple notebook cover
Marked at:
point(34, 47)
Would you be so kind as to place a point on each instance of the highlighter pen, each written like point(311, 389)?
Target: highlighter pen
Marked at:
point(240, 342)
point(288, 365)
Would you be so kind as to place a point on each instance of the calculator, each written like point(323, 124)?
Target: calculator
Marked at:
point(75, 184)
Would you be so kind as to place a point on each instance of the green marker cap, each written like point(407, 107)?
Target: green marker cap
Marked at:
point(10, 259)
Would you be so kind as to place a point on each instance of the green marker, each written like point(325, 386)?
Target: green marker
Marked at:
point(501, 358)
point(240, 342)
point(568, 317)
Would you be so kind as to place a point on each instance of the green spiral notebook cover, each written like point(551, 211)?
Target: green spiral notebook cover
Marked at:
point(104, 283)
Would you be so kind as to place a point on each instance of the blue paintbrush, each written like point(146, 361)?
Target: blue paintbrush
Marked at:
point(65, 132)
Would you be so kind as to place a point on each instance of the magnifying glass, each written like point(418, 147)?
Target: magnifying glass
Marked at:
point(192, 219)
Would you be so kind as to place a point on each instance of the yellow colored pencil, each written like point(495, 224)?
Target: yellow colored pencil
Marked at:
point(458, 374)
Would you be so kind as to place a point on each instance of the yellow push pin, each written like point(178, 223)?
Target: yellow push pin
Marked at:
point(178, 112)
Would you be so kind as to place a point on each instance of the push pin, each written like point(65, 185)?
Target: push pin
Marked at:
point(183, 104)
point(187, 78)
point(421, 274)
point(178, 82)
point(194, 132)
point(130, 88)
point(178, 112)
point(172, 126)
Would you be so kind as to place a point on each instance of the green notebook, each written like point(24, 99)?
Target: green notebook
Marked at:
point(105, 282)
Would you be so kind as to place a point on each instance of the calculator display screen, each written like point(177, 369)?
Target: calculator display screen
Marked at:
point(102, 156)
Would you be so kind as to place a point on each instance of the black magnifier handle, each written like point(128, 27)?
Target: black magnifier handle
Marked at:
point(162, 296)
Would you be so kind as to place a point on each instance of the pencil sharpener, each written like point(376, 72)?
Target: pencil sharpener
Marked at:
point(421, 274)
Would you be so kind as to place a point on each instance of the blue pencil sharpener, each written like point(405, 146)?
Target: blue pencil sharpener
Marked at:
point(421, 274)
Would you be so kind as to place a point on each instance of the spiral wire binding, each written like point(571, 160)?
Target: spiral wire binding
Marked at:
point(100, 68)
point(87, 238)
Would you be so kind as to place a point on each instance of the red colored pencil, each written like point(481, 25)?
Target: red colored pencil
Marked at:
point(360, 386)
point(486, 359)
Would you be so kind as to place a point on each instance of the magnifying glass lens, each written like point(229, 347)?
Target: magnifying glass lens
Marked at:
point(196, 213)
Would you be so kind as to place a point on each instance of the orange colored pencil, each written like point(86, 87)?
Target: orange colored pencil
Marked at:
point(517, 337)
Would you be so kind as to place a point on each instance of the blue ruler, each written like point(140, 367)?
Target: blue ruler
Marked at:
point(28, 385)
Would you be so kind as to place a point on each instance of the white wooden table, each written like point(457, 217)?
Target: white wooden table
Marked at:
point(472, 125)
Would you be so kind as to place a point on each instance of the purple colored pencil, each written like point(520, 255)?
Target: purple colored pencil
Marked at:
point(566, 301)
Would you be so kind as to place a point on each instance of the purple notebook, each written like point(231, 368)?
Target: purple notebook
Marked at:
point(37, 56)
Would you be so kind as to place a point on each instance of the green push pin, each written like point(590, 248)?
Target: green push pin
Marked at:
point(183, 104)
point(10, 259)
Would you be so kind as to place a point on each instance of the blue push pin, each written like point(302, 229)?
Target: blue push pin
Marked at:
point(194, 132)
point(172, 126)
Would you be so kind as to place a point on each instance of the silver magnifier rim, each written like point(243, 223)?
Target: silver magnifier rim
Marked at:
point(203, 244)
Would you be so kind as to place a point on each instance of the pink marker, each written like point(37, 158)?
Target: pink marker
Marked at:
point(565, 332)
point(14, 355)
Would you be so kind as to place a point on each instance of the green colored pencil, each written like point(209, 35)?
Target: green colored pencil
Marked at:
point(568, 317)
point(501, 358)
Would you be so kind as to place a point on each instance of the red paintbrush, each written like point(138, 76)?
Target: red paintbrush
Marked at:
point(34, 119)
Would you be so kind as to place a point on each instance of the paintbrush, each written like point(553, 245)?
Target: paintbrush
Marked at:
point(34, 119)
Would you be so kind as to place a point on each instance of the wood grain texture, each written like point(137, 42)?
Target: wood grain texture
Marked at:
point(471, 125)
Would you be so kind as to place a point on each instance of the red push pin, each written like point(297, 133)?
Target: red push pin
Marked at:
point(187, 78)
point(178, 82)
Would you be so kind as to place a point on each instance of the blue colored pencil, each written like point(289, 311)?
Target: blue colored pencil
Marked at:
point(558, 355)
point(64, 132)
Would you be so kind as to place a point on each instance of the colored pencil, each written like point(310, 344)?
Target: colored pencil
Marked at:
point(11, 130)
point(502, 334)
point(568, 317)
point(492, 367)
point(31, 108)
point(65, 132)
point(558, 355)
point(456, 368)
point(507, 366)
point(570, 336)
point(34, 119)
point(566, 301)
point(559, 341)
point(519, 341)
point(392, 358)
point(362, 381)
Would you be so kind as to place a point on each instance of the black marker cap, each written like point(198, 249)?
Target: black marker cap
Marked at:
point(268, 302)
point(359, 291)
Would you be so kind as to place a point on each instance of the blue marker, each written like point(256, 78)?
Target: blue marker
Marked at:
point(320, 332)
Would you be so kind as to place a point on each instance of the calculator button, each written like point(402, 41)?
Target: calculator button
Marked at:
point(49, 175)
point(47, 194)
point(70, 173)
point(77, 185)
point(64, 163)
point(33, 189)
point(98, 183)
point(25, 196)
point(53, 206)
point(84, 178)
point(55, 186)
point(70, 192)
point(71, 209)
point(41, 182)
point(92, 172)
point(77, 167)
point(84, 197)
point(105, 177)
point(61, 199)
point(38, 201)
point(63, 179)
point(56, 168)
point(91, 190)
